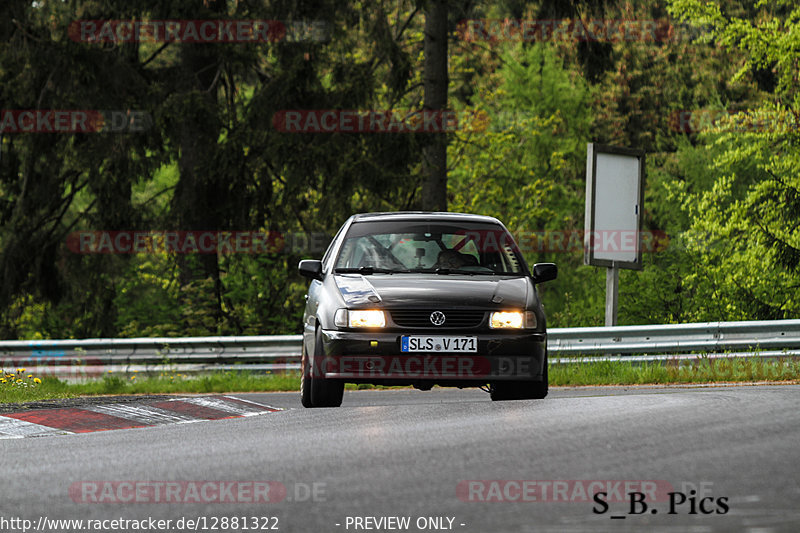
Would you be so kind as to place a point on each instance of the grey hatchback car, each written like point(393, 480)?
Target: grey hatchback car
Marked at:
point(423, 299)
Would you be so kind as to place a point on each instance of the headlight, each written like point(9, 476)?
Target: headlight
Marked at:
point(512, 320)
point(360, 318)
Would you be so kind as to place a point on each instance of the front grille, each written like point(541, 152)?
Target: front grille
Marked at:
point(454, 318)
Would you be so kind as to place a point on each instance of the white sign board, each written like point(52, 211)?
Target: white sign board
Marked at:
point(614, 206)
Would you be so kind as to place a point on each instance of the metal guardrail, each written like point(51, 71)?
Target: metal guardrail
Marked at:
point(275, 353)
point(706, 337)
point(96, 357)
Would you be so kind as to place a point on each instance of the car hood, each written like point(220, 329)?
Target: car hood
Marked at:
point(426, 290)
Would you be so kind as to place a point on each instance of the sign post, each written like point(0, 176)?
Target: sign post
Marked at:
point(612, 295)
point(614, 211)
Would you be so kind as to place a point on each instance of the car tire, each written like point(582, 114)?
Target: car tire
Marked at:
point(305, 379)
point(520, 390)
point(315, 390)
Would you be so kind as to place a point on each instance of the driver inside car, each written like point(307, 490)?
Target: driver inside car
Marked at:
point(453, 260)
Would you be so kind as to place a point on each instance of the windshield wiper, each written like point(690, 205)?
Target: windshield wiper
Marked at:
point(446, 271)
point(366, 270)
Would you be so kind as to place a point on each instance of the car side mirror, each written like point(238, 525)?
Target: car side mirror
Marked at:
point(311, 268)
point(544, 272)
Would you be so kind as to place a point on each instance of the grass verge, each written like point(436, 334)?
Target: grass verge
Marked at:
point(19, 386)
point(50, 387)
point(703, 370)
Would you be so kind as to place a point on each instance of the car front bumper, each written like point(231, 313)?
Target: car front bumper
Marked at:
point(376, 357)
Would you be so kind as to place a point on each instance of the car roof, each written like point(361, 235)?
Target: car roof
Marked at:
point(423, 215)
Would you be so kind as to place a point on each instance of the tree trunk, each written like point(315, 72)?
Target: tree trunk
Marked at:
point(434, 188)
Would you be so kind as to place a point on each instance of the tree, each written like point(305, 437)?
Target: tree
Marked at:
point(211, 160)
point(745, 229)
point(434, 155)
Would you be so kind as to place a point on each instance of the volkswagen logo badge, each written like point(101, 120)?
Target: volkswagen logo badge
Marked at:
point(437, 318)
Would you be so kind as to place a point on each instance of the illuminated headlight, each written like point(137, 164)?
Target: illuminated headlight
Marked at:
point(512, 320)
point(359, 318)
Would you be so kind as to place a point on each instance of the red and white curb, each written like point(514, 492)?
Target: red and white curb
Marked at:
point(103, 417)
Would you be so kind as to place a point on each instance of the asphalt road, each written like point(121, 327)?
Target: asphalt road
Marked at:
point(440, 454)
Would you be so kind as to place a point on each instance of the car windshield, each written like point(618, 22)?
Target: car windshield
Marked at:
point(423, 246)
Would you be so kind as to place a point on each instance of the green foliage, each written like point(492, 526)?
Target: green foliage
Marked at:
point(743, 227)
point(17, 387)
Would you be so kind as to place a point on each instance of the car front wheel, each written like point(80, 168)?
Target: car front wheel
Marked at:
point(305, 381)
point(315, 390)
point(520, 390)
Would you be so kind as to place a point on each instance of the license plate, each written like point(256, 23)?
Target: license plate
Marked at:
point(424, 343)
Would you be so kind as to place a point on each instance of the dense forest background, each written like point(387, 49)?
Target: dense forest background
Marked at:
point(713, 100)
